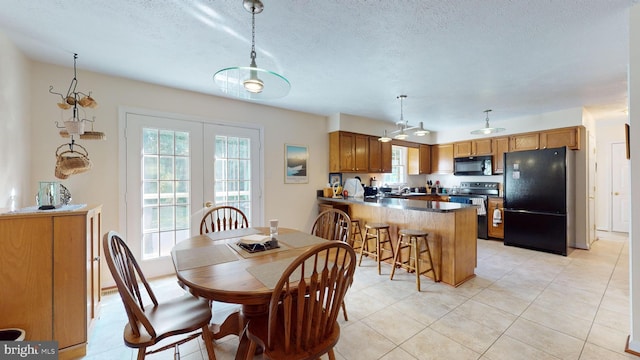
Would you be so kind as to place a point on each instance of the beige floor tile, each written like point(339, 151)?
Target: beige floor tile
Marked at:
point(508, 348)
point(545, 339)
point(469, 333)
point(398, 354)
point(502, 301)
point(595, 352)
point(422, 310)
point(360, 342)
point(608, 338)
point(430, 345)
point(613, 319)
point(485, 315)
point(398, 327)
point(558, 320)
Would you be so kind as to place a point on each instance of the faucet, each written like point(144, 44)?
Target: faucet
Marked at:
point(405, 189)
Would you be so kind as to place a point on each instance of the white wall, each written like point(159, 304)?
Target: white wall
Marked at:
point(634, 142)
point(15, 142)
point(293, 204)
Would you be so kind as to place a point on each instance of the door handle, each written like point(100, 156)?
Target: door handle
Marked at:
point(616, 193)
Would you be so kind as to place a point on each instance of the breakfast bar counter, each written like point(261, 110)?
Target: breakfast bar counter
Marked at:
point(452, 229)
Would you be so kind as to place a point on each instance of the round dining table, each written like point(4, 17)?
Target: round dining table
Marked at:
point(214, 267)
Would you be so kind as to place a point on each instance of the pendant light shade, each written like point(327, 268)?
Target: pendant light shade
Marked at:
point(487, 129)
point(385, 138)
point(251, 82)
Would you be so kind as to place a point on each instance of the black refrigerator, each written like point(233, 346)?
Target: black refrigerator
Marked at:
point(539, 199)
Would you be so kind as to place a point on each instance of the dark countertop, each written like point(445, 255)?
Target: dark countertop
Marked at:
point(402, 204)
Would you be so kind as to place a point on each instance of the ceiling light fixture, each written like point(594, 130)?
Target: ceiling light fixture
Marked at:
point(487, 129)
point(401, 133)
point(252, 82)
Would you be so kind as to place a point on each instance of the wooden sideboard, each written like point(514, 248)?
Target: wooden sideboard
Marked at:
point(50, 275)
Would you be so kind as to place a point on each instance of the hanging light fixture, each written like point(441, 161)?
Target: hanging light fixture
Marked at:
point(401, 133)
point(385, 137)
point(487, 129)
point(252, 82)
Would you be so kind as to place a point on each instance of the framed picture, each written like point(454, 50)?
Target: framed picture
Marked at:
point(335, 178)
point(296, 160)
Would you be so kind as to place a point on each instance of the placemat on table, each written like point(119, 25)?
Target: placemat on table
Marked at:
point(228, 234)
point(245, 254)
point(203, 256)
point(299, 239)
point(270, 273)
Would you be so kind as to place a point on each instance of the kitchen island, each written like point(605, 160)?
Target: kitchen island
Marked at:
point(452, 229)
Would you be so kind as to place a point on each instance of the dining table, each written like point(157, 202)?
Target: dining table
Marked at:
point(213, 266)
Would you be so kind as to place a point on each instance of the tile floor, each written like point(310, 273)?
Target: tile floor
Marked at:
point(521, 305)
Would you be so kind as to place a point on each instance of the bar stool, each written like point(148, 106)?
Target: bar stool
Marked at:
point(411, 238)
point(356, 234)
point(375, 231)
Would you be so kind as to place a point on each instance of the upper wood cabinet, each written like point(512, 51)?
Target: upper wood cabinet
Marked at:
point(569, 137)
point(472, 148)
point(350, 152)
point(419, 160)
point(425, 159)
point(442, 159)
point(500, 146)
point(385, 151)
point(522, 142)
point(462, 149)
point(379, 155)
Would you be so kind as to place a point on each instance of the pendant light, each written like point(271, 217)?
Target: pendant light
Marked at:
point(401, 133)
point(487, 129)
point(252, 82)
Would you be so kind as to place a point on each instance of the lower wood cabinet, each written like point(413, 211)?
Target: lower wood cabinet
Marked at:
point(50, 275)
point(496, 229)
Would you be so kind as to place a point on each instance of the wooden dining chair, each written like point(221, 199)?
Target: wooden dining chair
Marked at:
point(149, 324)
point(301, 321)
point(222, 218)
point(333, 224)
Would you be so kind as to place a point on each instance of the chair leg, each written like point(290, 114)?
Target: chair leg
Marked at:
point(395, 258)
point(207, 337)
point(141, 353)
point(378, 252)
point(331, 355)
point(364, 247)
point(251, 351)
point(416, 254)
point(344, 311)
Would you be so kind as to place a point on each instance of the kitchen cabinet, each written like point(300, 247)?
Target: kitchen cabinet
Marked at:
point(472, 148)
point(569, 137)
point(348, 152)
point(379, 156)
point(520, 142)
point(496, 230)
point(425, 158)
point(385, 154)
point(500, 146)
point(419, 160)
point(50, 266)
point(442, 159)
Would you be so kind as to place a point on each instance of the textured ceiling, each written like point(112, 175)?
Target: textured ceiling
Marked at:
point(453, 59)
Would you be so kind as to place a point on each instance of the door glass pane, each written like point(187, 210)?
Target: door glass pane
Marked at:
point(232, 173)
point(166, 185)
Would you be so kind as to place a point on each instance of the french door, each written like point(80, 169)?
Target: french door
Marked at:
point(175, 166)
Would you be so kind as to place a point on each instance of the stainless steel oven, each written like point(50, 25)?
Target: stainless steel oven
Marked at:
point(477, 193)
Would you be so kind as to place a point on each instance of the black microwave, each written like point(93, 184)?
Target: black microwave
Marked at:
point(472, 165)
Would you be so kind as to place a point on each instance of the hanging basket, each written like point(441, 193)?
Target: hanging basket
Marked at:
point(71, 162)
